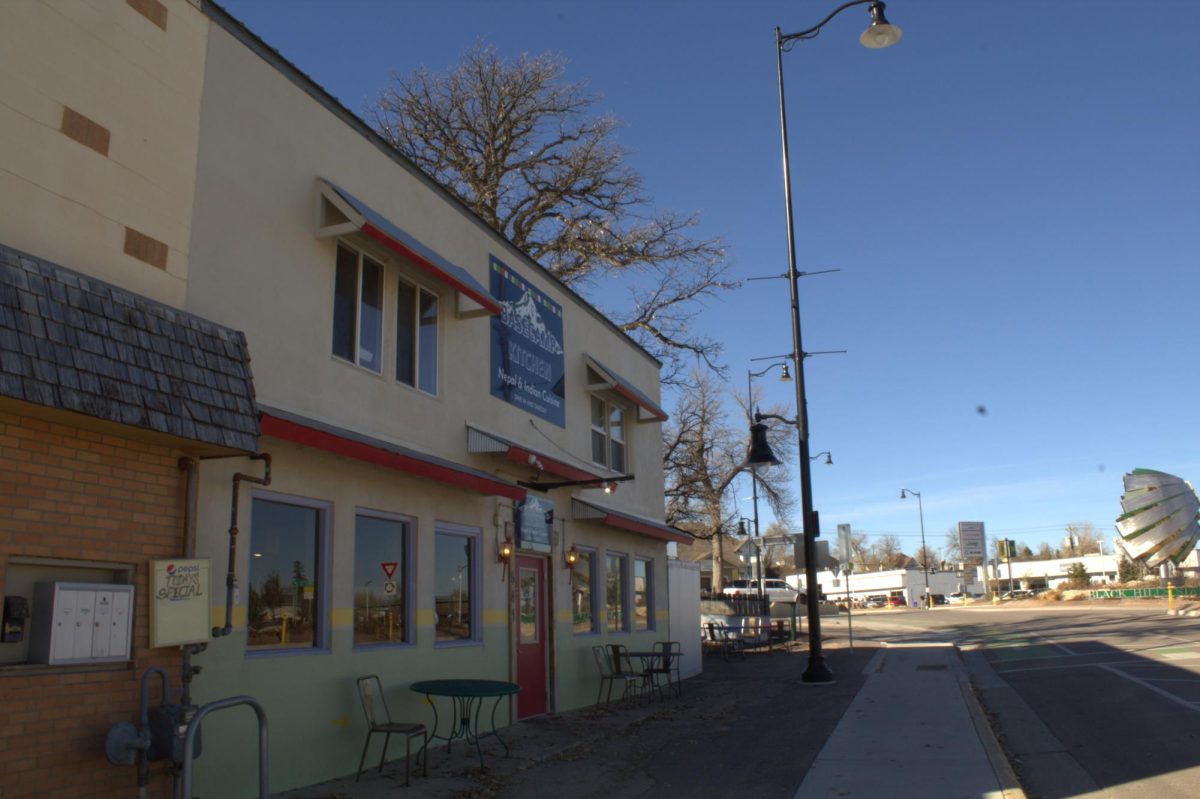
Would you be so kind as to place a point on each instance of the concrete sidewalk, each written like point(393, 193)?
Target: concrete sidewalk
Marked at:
point(915, 729)
point(897, 722)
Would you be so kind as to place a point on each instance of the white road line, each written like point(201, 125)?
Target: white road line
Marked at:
point(1000, 670)
point(1165, 694)
point(1171, 679)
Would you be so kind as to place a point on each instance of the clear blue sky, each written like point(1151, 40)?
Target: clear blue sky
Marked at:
point(1012, 194)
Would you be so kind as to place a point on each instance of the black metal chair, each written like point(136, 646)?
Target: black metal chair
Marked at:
point(611, 675)
point(666, 664)
point(370, 693)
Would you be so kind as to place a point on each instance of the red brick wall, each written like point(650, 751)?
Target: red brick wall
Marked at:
point(66, 492)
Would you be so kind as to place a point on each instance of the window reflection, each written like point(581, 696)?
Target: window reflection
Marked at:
point(284, 580)
point(380, 611)
point(583, 575)
point(453, 580)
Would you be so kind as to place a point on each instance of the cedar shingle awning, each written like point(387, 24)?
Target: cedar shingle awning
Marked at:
point(72, 342)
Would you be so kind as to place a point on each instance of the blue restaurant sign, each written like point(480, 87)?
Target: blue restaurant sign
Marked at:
point(534, 520)
point(527, 346)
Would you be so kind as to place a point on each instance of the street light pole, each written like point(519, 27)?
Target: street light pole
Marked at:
point(879, 34)
point(924, 551)
point(754, 475)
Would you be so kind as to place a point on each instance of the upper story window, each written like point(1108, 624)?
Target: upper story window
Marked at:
point(608, 434)
point(416, 337)
point(358, 309)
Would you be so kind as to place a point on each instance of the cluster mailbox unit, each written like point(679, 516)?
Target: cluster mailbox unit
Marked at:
point(80, 623)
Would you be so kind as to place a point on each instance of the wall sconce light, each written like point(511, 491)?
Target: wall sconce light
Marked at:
point(505, 550)
point(571, 556)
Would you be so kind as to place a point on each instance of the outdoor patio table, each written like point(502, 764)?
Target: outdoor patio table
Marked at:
point(467, 699)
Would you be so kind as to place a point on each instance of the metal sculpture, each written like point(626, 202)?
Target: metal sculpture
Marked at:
point(1160, 518)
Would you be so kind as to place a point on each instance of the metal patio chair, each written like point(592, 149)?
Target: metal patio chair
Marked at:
point(610, 675)
point(666, 664)
point(370, 693)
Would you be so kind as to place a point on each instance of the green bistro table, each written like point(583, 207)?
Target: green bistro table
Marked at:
point(467, 698)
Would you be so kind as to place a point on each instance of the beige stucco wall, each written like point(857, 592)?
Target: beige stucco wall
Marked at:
point(264, 142)
point(67, 202)
point(316, 724)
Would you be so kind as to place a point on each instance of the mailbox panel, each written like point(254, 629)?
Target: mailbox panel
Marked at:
point(81, 623)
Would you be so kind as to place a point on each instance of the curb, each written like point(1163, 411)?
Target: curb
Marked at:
point(1010, 786)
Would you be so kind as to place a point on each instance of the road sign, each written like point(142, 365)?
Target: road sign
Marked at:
point(389, 587)
point(971, 541)
point(389, 568)
point(844, 547)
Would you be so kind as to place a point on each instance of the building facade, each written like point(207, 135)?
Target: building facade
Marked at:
point(415, 480)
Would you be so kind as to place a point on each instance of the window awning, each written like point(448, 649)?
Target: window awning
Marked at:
point(481, 441)
point(587, 511)
point(348, 444)
point(354, 216)
point(610, 380)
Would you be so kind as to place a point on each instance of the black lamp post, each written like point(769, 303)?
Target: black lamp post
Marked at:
point(784, 377)
point(879, 34)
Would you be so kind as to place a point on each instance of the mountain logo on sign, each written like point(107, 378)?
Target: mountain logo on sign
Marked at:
point(524, 317)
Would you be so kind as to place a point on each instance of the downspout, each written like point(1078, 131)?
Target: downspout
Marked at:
point(189, 466)
point(230, 576)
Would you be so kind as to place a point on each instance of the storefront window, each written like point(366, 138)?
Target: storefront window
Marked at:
point(454, 582)
point(583, 577)
point(642, 596)
point(615, 579)
point(286, 589)
point(380, 579)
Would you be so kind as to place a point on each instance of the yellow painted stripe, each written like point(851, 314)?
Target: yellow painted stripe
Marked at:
point(564, 615)
point(342, 617)
point(424, 616)
point(218, 616)
point(495, 617)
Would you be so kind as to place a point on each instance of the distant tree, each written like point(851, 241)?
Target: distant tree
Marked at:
point(1130, 571)
point(1045, 552)
point(524, 150)
point(1077, 576)
point(927, 558)
point(273, 596)
point(702, 456)
point(885, 553)
point(1023, 553)
point(952, 548)
point(1081, 539)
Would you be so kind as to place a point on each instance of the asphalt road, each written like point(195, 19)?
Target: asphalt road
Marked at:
point(1088, 700)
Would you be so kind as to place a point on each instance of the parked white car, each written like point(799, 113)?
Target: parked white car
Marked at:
point(775, 590)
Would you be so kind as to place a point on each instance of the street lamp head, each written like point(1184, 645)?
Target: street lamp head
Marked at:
point(760, 456)
point(786, 377)
point(880, 33)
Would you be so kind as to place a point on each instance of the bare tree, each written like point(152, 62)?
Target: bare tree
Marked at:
point(928, 558)
point(521, 148)
point(886, 553)
point(702, 456)
point(1045, 552)
point(953, 546)
point(1082, 539)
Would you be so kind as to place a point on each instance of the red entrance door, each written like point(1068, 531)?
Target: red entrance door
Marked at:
point(531, 636)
